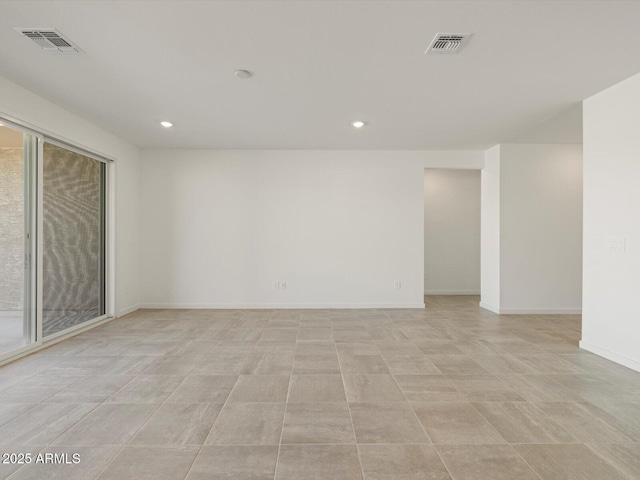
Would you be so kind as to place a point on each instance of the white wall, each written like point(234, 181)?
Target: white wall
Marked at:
point(339, 227)
point(540, 225)
point(451, 159)
point(23, 105)
point(490, 231)
point(611, 321)
point(452, 231)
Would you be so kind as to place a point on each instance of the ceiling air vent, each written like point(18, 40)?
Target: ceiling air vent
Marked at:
point(448, 42)
point(49, 40)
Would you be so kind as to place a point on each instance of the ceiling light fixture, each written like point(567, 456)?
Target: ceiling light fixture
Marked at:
point(358, 124)
point(243, 74)
point(166, 124)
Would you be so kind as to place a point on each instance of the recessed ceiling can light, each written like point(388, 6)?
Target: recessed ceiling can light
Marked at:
point(358, 124)
point(243, 74)
point(166, 124)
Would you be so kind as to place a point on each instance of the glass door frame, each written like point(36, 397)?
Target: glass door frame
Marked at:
point(31, 198)
point(107, 190)
point(34, 242)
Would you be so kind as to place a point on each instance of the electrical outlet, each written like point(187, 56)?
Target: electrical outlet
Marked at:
point(283, 285)
point(397, 284)
point(276, 285)
point(618, 245)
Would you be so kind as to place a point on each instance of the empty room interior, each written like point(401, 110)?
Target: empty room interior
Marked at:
point(320, 240)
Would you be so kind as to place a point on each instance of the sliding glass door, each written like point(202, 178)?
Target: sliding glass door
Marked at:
point(18, 152)
point(53, 238)
point(73, 239)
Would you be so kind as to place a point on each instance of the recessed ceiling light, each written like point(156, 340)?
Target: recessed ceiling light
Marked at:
point(359, 124)
point(166, 124)
point(243, 74)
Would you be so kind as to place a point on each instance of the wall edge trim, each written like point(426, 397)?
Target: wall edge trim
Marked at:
point(267, 306)
point(609, 355)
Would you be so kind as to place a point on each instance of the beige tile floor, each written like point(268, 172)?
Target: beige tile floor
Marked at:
point(450, 392)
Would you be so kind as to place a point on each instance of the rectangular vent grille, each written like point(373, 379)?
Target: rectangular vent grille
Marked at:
point(448, 42)
point(49, 40)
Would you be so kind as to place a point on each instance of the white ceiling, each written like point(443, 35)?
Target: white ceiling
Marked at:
point(319, 65)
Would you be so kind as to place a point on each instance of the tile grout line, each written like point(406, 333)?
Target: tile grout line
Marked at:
point(416, 415)
point(286, 404)
point(195, 458)
point(148, 418)
point(126, 444)
point(353, 428)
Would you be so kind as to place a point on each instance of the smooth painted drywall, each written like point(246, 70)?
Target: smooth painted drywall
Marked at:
point(490, 231)
point(532, 219)
point(27, 107)
point(449, 159)
point(339, 227)
point(541, 227)
point(611, 307)
point(451, 232)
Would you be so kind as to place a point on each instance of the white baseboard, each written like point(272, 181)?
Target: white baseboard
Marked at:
point(609, 355)
point(128, 310)
point(452, 292)
point(540, 311)
point(531, 311)
point(279, 306)
point(491, 308)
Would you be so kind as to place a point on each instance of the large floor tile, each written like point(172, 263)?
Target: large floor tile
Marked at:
point(625, 457)
point(354, 364)
point(587, 422)
point(240, 381)
point(204, 388)
point(158, 463)
point(173, 365)
point(178, 424)
point(248, 424)
point(316, 423)
point(484, 388)
point(485, 462)
point(553, 462)
point(410, 365)
point(372, 388)
point(540, 388)
point(316, 389)
point(90, 389)
point(147, 389)
point(318, 462)
point(92, 460)
point(429, 388)
point(108, 424)
point(316, 364)
point(260, 388)
point(44, 423)
point(521, 422)
point(455, 423)
point(268, 364)
point(401, 462)
point(256, 462)
point(9, 411)
point(503, 364)
point(386, 423)
point(457, 365)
